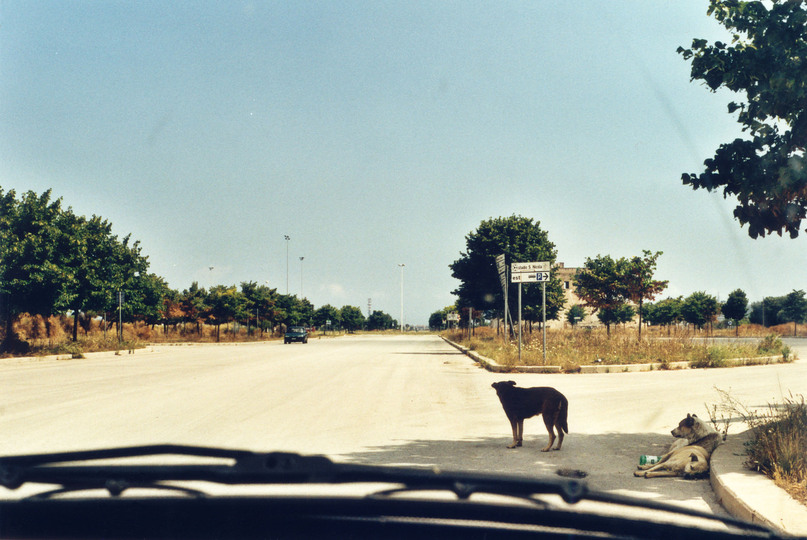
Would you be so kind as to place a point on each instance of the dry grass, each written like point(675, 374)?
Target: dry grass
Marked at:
point(571, 349)
point(778, 447)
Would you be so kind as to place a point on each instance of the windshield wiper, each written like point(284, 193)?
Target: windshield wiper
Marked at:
point(71, 471)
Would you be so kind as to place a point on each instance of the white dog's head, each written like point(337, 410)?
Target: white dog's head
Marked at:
point(692, 429)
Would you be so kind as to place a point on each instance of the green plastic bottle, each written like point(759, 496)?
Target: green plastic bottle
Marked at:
point(648, 460)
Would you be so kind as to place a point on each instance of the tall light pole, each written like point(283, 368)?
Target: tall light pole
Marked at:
point(286, 236)
point(402, 319)
point(301, 277)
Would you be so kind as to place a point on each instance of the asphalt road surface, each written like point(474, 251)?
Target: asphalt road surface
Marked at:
point(401, 400)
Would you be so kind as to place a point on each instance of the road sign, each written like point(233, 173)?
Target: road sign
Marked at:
point(529, 277)
point(500, 263)
point(542, 266)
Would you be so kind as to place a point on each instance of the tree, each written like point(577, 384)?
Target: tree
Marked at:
point(766, 172)
point(352, 318)
point(619, 314)
point(378, 320)
point(699, 309)
point(598, 285)
point(327, 314)
point(31, 278)
point(768, 311)
point(226, 305)
point(735, 307)
point(260, 304)
point(144, 297)
point(52, 260)
point(575, 314)
point(666, 312)
point(638, 282)
point(436, 321)
point(794, 309)
point(520, 239)
point(194, 305)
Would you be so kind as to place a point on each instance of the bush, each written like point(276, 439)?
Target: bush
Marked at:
point(779, 446)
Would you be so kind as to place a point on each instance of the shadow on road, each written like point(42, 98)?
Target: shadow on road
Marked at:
point(607, 459)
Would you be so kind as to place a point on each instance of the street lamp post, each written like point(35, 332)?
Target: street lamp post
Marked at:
point(301, 277)
point(402, 318)
point(286, 236)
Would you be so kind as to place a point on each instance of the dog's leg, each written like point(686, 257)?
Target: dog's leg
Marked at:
point(553, 423)
point(549, 428)
point(520, 432)
point(648, 471)
point(514, 427)
point(660, 474)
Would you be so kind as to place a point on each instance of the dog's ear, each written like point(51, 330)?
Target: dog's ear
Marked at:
point(510, 383)
point(693, 457)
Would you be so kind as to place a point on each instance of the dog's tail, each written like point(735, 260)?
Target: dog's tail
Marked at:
point(563, 413)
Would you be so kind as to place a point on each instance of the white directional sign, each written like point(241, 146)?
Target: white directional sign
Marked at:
point(529, 277)
point(541, 266)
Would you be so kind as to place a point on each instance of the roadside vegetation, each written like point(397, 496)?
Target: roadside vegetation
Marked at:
point(778, 444)
point(572, 348)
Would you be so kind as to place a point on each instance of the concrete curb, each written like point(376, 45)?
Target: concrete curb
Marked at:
point(491, 365)
point(751, 495)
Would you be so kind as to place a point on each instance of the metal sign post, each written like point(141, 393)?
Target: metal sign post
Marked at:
point(519, 322)
point(502, 269)
point(543, 310)
point(531, 272)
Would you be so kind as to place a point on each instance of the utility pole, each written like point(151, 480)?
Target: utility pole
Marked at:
point(402, 319)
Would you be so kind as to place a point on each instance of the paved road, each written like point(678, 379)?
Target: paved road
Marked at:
point(408, 400)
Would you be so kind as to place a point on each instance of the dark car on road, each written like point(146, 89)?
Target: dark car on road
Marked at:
point(296, 333)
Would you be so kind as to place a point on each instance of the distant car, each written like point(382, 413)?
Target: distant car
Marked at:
point(296, 333)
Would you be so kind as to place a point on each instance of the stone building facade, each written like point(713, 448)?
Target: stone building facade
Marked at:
point(566, 276)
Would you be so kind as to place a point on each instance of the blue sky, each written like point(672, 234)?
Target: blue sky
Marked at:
point(374, 134)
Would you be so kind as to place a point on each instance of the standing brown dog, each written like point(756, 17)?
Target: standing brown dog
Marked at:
point(521, 403)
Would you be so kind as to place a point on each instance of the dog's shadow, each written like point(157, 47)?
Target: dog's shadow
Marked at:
point(607, 462)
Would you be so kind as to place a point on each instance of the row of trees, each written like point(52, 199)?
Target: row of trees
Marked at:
point(606, 285)
point(615, 289)
point(54, 262)
point(700, 309)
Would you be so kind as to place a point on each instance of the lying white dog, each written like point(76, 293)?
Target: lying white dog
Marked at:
point(689, 455)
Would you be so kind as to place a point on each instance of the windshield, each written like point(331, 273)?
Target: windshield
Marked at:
point(215, 175)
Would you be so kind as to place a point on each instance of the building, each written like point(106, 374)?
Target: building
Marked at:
point(566, 277)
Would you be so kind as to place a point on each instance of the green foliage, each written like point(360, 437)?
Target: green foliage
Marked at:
point(736, 305)
point(378, 320)
point(520, 239)
point(794, 309)
point(606, 285)
point(327, 313)
point(665, 312)
point(768, 311)
point(767, 172)
point(260, 304)
point(619, 314)
point(52, 261)
point(699, 309)
point(638, 282)
point(575, 314)
point(352, 318)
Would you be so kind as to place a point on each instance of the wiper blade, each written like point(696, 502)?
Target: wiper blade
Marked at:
point(68, 470)
point(256, 468)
